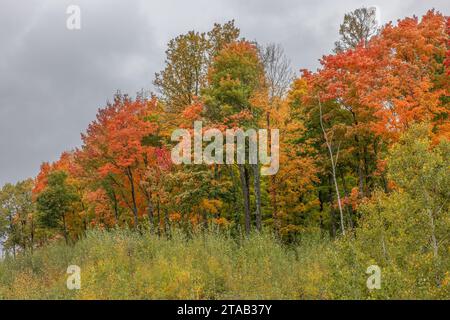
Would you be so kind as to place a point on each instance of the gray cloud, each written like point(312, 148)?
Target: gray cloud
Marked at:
point(52, 80)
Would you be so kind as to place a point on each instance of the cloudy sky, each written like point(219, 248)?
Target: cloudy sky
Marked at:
point(53, 80)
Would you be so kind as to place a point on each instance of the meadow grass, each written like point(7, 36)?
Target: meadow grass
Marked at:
point(123, 264)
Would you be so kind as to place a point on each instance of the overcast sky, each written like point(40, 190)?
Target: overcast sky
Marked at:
point(53, 80)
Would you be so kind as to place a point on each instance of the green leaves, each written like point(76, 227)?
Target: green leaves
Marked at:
point(188, 58)
point(16, 214)
point(408, 229)
point(234, 77)
point(421, 169)
point(56, 200)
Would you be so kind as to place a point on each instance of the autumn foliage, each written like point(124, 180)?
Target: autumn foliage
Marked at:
point(356, 107)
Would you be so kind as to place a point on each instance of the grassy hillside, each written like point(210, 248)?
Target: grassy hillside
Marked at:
point(126, 265)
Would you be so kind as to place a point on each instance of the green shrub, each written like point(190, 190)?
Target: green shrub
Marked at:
point(123, 264)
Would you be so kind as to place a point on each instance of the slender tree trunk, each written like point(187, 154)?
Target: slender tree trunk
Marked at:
point(22, 234)
point(150, 210)
point(133, 197)
point(272, 185)
point(83, 208)
point(339, 202)
point(32, 234)
point(167, 228)
point(246, 195)
point(273, 196)
point(158, 209)
point(360, 177)
point(11, 230)
point(346, 193)
point(116, 208)
point(330, 201)
point(434, 241)
point(333, 166)
point(235, 193)
point(65, 228)
point(321, 204)
point(257, 184)
point(433, 234)
point(367, 178)
point(359, 158)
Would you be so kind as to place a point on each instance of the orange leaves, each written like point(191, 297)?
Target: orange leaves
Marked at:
point(410, 90)
point(212, 206)
point(175, 217)
point(65, 163)
point(236, 120)
point(370, 94)
point(103, 215)
point(223, 222)
point(393, 81)
point(447, 59)
point(125, 132)
point(41, 179)
point(353, 199)
point(122, 150)
point(114, 140)
point(107, 169)
point(193, 112)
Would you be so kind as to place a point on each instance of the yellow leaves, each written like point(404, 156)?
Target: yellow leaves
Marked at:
point(291, 229)
point(211, 206)
point(23, 286)
point(446, 280)
point(221, 221)
point(299, 89)
point(194, 219)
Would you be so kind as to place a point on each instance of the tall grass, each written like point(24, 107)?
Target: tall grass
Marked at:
point(123, 264)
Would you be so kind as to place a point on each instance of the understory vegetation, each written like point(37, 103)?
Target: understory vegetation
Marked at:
point(123, 264)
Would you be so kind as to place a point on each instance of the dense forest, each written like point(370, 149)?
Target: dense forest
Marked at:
point(363, 179)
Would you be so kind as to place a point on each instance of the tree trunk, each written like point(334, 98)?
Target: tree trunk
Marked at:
point(133, 197)
point(158, 209)
point(320, 196)
point(434, 241)
point(150, 210)
point(32, 233)
point(367, 178)
point(22, 234)
point(11, 229)
point(246, 195)
point(65, 228)
point(236, 212)
point(166, 223)
point(257, 185)
point(359, 158)
point(339, 203)
point(433, 234)
point(273, 199)
point(116, 208)
point(334, 162)
point(346, 193)
point(330, 201)
point(272, 185)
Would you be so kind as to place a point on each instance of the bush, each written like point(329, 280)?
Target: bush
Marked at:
point(123, 264)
